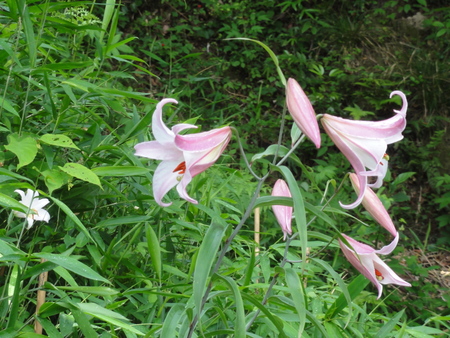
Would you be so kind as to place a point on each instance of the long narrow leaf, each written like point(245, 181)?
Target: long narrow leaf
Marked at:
point(154, 249)
point(389, 326)
point(354, 289)
point(297, 294)
point(171, 321)
point(73, 265)
point(206, 256)
point(239, 329)
point(299, 211)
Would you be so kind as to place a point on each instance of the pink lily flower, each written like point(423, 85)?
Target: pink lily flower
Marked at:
point(365, 259)
point(183, 156)
point(373, 205)
point(35, 206)
point(302, 111)
point(364, 143)
point(283, 213)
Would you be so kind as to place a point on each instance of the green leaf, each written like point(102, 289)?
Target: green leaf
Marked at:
point(299, 210)
point(272, 55)
point(388, 328)
point(132, 219)
point(154, 249)
point(71, 215)
point(239, 330)
point(73, 265)
point(276, 321)
point(354, 289)
point(108, 316)
point(403, 177)
point(28, 30)
point(270, 151)
point(58, 140)
point(24, 147)
point(298, 296)
point(92, 290)
point(9, 202)
point(120, 171)
point(81, 172)
point(171, 320)
point(5, 104)
point(55, 179)
point(206, 256)
point(340, 282)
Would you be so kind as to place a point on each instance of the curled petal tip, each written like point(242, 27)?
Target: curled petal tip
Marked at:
point(404, 102)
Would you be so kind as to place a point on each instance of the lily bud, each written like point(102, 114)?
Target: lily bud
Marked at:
point(302, 111)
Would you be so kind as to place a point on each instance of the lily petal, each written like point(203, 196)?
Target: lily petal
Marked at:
point(165, 179)
point(364, 258)
point(35, 206)
point(160, 131)
point(364, 143)
point(373, 205)
point(183, 156)
point(157, 151)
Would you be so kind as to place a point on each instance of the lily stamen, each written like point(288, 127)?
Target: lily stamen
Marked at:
point(379, 275)
point(181, 168)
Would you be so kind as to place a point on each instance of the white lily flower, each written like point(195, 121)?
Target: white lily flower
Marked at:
point(35, 206)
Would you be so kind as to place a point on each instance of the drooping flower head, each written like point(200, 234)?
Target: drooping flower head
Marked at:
point(302, 111)
point(365, 259)
point(35, 206)
point(183, 156)
point(364, 143)
point(373, 205)
point(283, 213)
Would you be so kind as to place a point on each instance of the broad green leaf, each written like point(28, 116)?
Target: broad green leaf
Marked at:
point(132, 219)
point(276, 321)
point(55, 179)
point(271, 150)
point(9, 202)
point(81, 172)
point(5, 104)
point(93, 290)
point(73, 265)
point(24, 147)
point(14, 286)
point(206, 256)
point(354, 289)
point(28, 30)
point(388, 328)
point(50, 329)
point(239, 329)
point(58, 140)
point(84, 324)
point(171, 320)
point(108, 316)
point(298, 296)
point(154, 249)
point(120, 171)
point(267, 201)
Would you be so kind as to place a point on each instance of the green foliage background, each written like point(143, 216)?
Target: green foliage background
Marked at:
point(79, 83)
